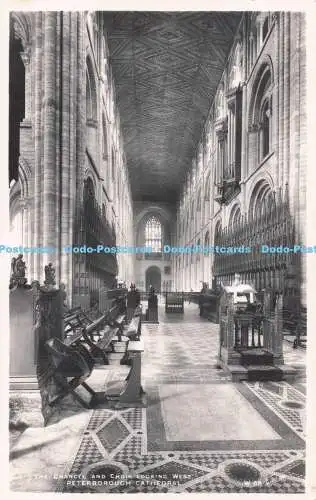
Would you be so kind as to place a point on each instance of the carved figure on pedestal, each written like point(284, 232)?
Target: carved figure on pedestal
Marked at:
point(18, 270)
point(50, 275)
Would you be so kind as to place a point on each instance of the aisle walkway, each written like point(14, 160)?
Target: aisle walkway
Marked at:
point(199, 432)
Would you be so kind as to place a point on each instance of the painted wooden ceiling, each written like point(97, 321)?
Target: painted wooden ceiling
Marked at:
point(166, 67)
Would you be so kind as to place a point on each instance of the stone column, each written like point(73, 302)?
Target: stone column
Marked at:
point(286, 95)
point(280, 117)
point(79, 266)
point(66, 100)
point(25, 56)
point(37, 203)
point(49, 107)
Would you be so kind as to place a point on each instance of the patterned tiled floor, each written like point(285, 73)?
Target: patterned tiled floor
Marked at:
point(127, 450)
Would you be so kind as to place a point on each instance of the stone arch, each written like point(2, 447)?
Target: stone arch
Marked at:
point(153, 278)
point(235, 215)
point(207, 239)
point(24, 177)
point(262, 86)
point(217, 230)
point(89, 174)
point(262, 200)
point(153, 208)
point(21, 24)
point(89, 188)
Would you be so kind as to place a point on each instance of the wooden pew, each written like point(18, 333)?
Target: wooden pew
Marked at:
point(130, 393)
point(174, 303)
point(74, 364)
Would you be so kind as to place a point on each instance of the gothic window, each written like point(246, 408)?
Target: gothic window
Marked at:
point(261, 110)
point(88, 189)
point(262, 201)
point(265, 129)
point(218, 231)
point(220, 107)
point(235, 217)
point(236, 69)
point(153, 234)
point(207, 239)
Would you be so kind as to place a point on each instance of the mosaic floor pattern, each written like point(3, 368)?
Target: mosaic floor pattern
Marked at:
point(141, 450)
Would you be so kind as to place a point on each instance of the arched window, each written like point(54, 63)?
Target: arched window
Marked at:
point(153, 234)
point(262, 202)
point(265, 129)
point(236, 69)
point(220, 102)
point(261, 110)
point(218, 232)
point(207, 239)
point(88, 188)
point(235, 217)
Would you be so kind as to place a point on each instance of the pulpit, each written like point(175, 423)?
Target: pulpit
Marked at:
point(251, 334)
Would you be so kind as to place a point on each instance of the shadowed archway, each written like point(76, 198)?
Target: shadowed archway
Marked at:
point(153, 277)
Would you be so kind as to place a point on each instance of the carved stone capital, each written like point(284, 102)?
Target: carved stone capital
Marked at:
point(26, 57)
point(254, 127)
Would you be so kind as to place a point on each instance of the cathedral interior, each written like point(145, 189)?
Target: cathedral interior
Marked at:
point(157, 177)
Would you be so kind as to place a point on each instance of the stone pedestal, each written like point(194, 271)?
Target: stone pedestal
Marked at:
point(22, 339)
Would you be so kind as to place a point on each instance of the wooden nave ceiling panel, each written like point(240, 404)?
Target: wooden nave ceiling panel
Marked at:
point(166, 68)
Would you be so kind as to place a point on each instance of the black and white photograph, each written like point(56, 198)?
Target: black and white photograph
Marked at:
point(157, 250)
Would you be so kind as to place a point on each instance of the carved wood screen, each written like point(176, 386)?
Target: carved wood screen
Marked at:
point(93, 270)
point(273, 227)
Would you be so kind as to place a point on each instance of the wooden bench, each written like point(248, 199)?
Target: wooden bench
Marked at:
point(75, 319)
point(97, 335)
point(130, 392)
point(133, 330)
point(72, 366)
point(174, 303)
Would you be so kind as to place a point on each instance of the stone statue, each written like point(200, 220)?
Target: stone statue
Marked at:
point(20, 266)
point(50, 275)
point(18, 270)
point(63, 292)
